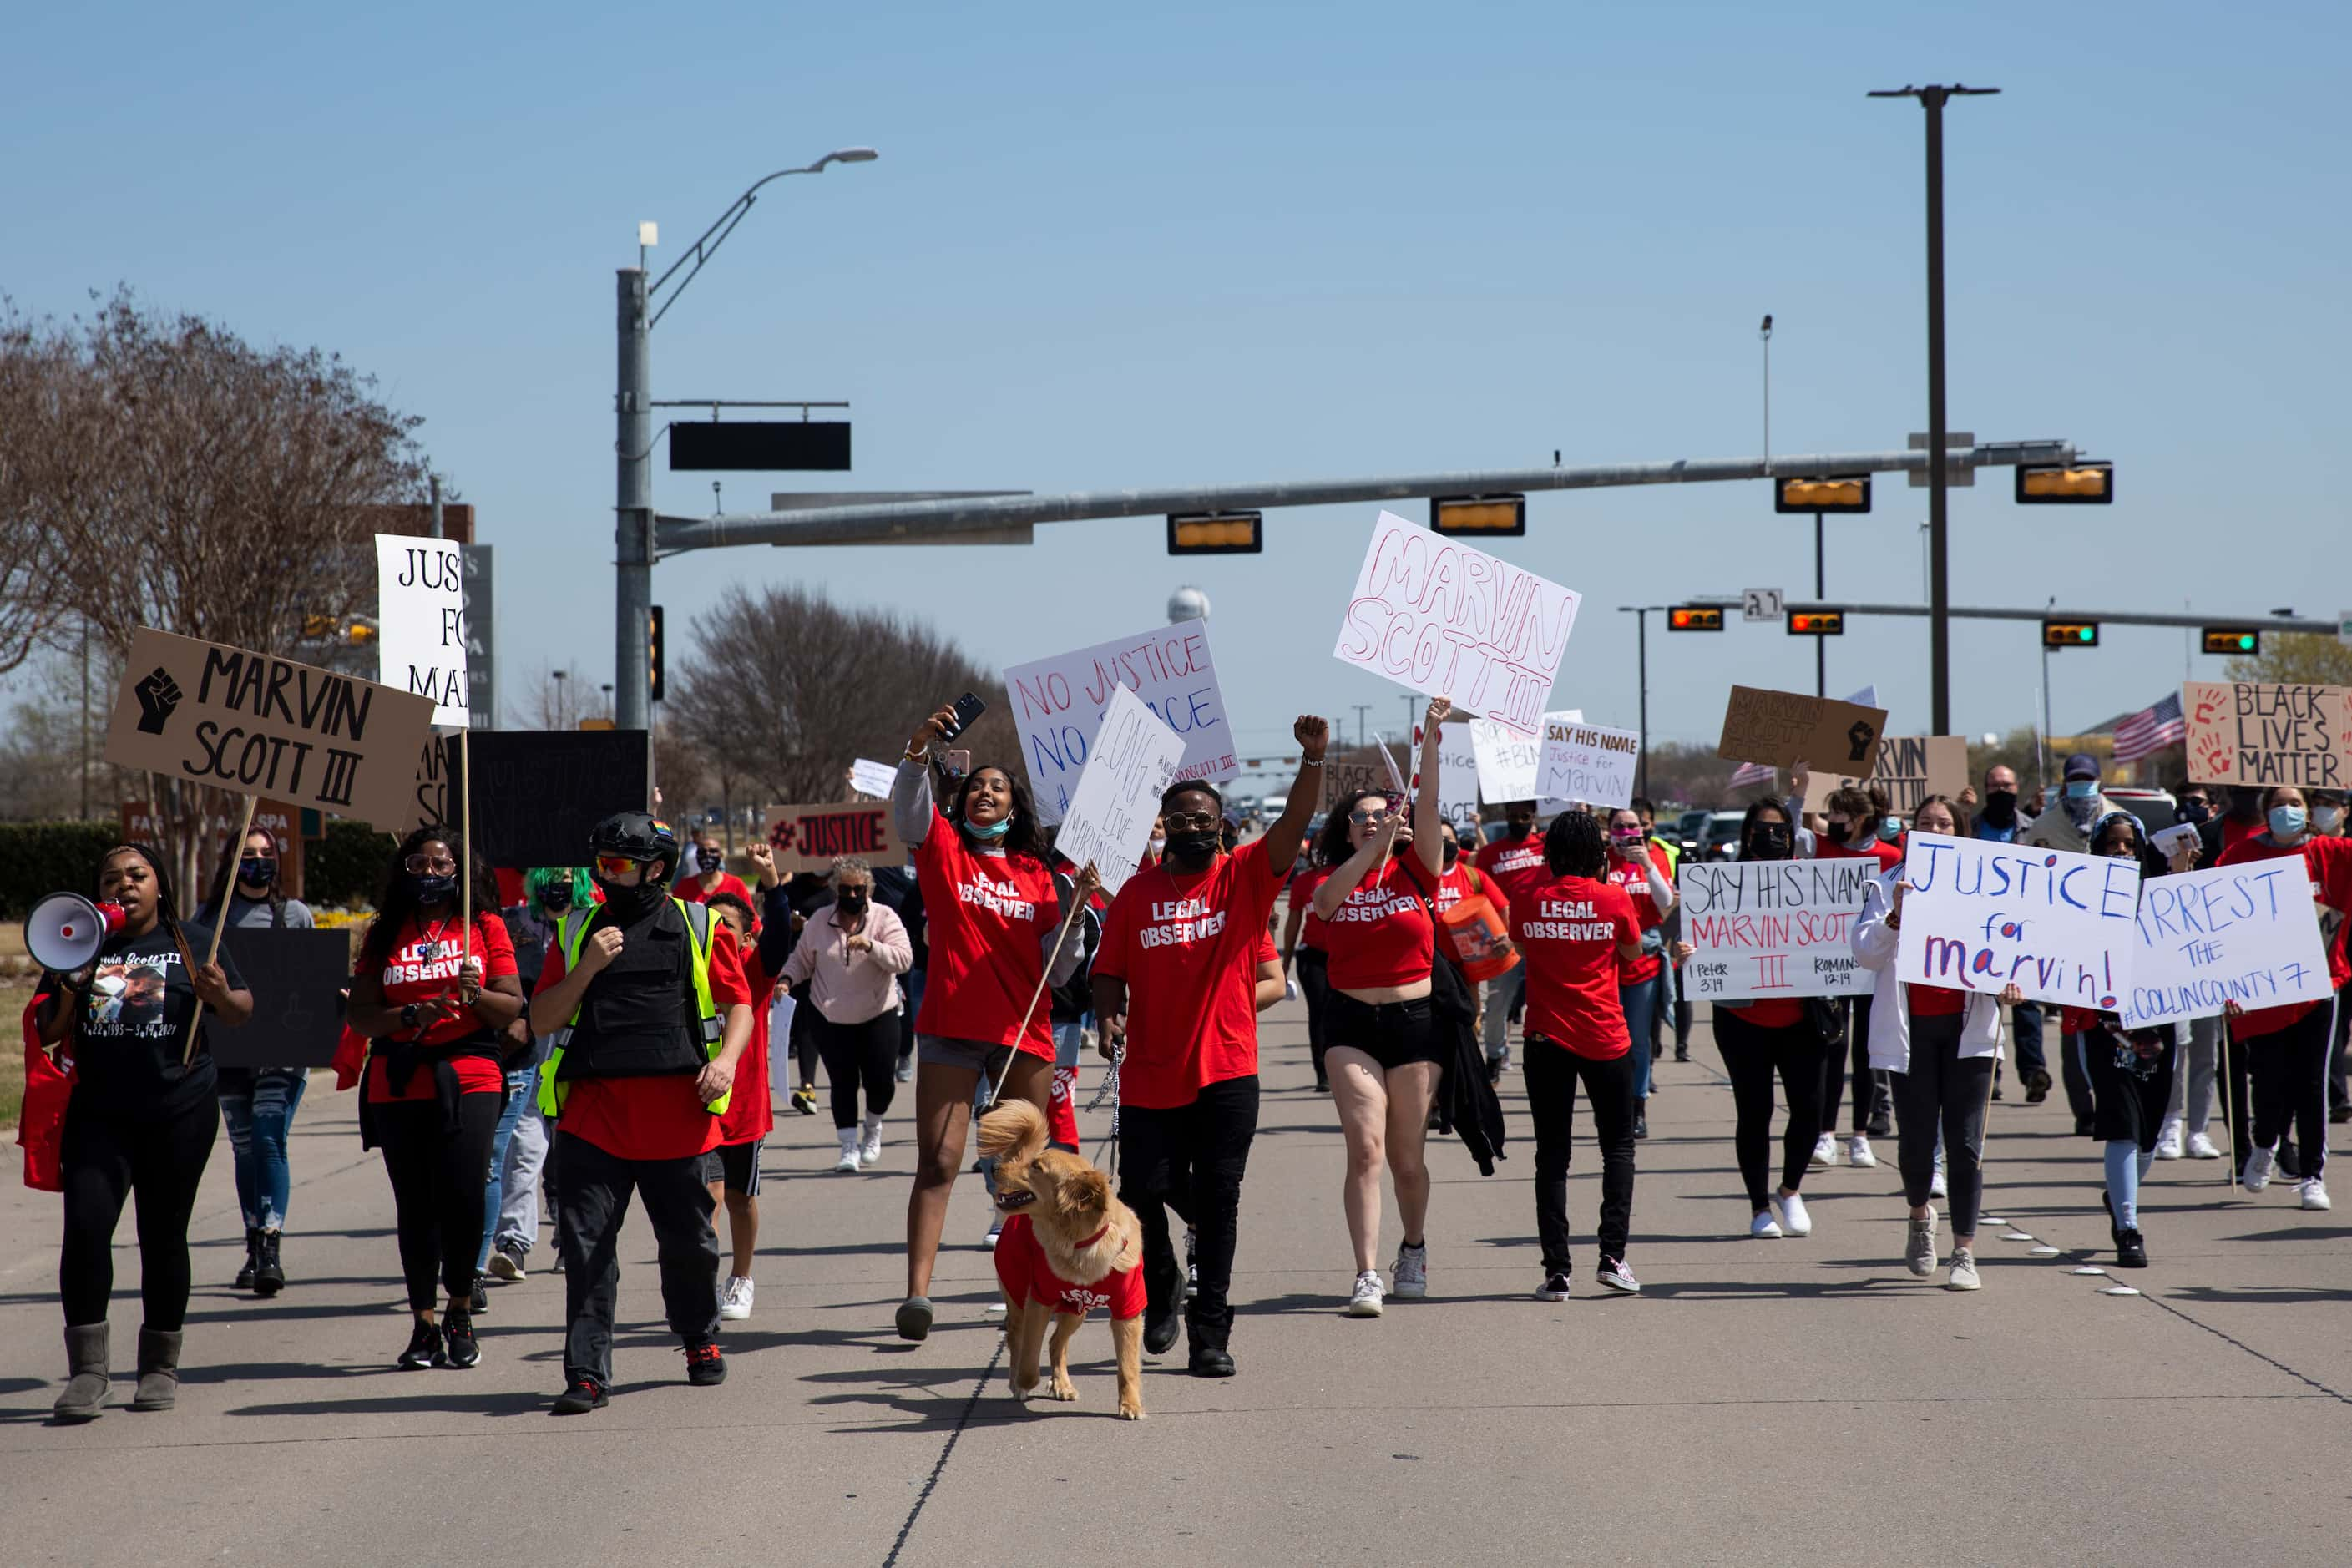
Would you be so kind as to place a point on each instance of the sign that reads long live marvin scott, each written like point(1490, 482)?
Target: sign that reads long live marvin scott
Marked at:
point(1773, 928)
point(1133, 761)
point(253, 722)
point(2246, 933)
point(1058, 704)
point(1438, 615)
point(1980, 915)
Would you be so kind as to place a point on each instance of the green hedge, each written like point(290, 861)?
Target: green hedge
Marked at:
point(38, 859)
point(346, 868)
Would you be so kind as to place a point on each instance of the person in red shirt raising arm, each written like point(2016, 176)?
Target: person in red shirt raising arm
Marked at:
point(1179, 976)
point(1382, 1046)
point(997, 913)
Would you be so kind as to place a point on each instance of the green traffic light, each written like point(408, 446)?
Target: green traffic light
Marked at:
point(2084, 635)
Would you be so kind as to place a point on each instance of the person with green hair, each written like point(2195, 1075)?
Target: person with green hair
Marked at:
point(518, 1147)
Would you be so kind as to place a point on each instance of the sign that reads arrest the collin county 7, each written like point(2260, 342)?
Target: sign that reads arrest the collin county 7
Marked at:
point(1059, 705)
point(1435, 615)
point(1773, 928)
point(2247, 933)
point(1980, 915)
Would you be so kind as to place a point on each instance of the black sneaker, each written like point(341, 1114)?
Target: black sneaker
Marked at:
point(1682, 1053)
point(480, 1301)
point(1641, 1124)
point(268, 1273)
point(914, 1319)
point(2114, 1231)
point(1322, 1084)
point(425, 1349)
point(457, 1335)
point(1209, 1361)
point(2290, 1164)
point(1880, 1127)
point(704, 1367)
point(581, 1396)
point(2131, 1250)
point(1553, 1288)
point(2037, 1087)
point(244, 1280)
point(1615, 1275)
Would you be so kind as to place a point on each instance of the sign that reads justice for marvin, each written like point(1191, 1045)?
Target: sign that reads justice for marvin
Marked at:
point(1980, 915)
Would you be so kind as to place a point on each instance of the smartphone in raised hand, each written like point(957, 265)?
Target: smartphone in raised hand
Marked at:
point(968, 709)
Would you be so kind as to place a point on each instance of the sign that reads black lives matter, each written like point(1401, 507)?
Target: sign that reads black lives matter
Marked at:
point(254, 722)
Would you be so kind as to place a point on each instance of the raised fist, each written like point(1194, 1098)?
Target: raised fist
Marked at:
point(1314, 734)
point(158, 695)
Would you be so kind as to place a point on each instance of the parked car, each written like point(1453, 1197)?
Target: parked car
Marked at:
point(2156, 808)
point(1719, 835)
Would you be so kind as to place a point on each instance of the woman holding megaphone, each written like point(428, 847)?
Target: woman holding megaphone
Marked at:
point(141, 1119)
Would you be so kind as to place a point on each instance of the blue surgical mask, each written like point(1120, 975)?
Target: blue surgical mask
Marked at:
point(2082, 789)
point(1889, 829)
point(2327, 818)
point(992, 833)
point(2287, 822)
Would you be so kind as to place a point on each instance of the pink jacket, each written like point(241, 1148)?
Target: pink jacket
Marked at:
point(851, 987)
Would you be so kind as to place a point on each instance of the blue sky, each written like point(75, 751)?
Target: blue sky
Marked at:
point(1106, 247)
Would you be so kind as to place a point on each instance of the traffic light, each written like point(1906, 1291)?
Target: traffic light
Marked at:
point(653, 654)
point(1491, 516)
point(1817, 623)
point(1216, 533)
point(2075, 484)
point(2233, 639)
point(318, 628)
point(2070, 634)
point(1694, 618)
point(359, 634)
point(1850, 492)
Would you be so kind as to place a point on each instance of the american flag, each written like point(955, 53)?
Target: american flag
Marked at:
point(2151, 730)
point(1747, 773)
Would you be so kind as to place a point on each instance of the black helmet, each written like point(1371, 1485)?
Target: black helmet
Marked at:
point(635, 835)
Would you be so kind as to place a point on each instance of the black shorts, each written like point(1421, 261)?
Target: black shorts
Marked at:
point(1393, 1033)
point(736, 1167)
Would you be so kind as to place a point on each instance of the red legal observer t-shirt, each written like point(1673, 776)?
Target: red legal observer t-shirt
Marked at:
point(2328, 863)
point(1456, 885)
point(1570, 930)
point(1635, 881)
point(1889, 856)
point(689, 889)
point(1301, 895)
point(1188, 948)
point(1516, 864)
point(659, 1117)
point(749, 1116)
point(1940, 1002)
point(989, 917)
point(1381, 936)
point(423, 966)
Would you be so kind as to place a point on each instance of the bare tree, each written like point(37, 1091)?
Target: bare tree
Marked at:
point(554, 701)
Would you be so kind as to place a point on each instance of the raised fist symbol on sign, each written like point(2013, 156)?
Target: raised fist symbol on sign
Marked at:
point(1860, 736)
point(158, 695)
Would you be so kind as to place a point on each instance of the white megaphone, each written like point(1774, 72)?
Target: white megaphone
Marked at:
point(65, 931)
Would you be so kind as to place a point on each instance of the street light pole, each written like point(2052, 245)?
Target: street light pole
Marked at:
point(1641, 613)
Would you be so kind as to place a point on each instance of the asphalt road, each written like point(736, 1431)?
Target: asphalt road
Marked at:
point(1762, 1401)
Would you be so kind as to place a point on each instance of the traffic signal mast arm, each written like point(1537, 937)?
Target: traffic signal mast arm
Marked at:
point(2112, 618)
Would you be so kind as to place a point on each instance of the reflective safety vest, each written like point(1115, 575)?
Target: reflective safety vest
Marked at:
point(571, 934)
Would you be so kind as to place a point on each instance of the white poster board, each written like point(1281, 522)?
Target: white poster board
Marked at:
point(1133, 759)
point(1773, 928)
point(420, 587)
point(873, 778)
point(1058, 704)
point(1437, 615)
point(1980, 915)
point(2248, 933)
point(1587, 762)
point(1508, 761)
point(1457, 774)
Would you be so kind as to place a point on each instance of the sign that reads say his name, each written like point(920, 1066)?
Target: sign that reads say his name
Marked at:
point(1058, 704)
point(1438, 615)
point(1980, 915)
point(1783, 728)
point(1133, 759)
point(420, 586)
point(1508, 761)
point(1773, 928)
point(1588, 763)
point(2258, 733)
point(261, 725)
point(808, 838)
point(2246, 933)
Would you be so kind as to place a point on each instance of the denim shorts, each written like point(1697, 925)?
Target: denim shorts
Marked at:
point(972, 1056)
point(1393, 1033)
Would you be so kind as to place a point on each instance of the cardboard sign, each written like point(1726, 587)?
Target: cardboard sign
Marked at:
point(2248, 933)
point(1783, 728)
point(1058, 704)
point(872, 778)
point(1910, 769)
point(2257, 733)
point(1435, 615)
point(1133, 758)
point(433, 796)
point(808, 838)
point(297, 978)
point(1508, 760)
point(263, 725)
point(1457, 772)
point(420, 586)
point(1981, 914)
point(1773, 928)
point(538, 793)
point(1342, 777)
point(1587, 762)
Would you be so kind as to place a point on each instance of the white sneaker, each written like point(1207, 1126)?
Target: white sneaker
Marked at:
point(848, 1164)
point(995, 1229)
point(1791, 1211)
point(1964, 1271)
point(1366, 1302)
point(869, 1147)
point(1858, 1151)
point(504, 1265)
point(2259, 1165)
point(1936, 1188)
point(1409, 1278)
point(1825, 1151)
point(2202, 1148)
point(1919, 1246)
point(2314, 1193)
point(1762, 1225)
point(2168, 1140)
point(735, 1301)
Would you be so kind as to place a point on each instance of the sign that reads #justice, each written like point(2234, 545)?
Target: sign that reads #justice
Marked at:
point(1980, 915)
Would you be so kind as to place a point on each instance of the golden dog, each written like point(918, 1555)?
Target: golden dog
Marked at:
point(1069, 1245)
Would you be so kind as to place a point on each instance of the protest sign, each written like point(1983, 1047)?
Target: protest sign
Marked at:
point(1058, 704)
point(420, 586)
point(1981, 914)
point(1782, 727)
point(807, 837)
point(1587, 762)
point(297, 978)
point(140, 825)
point(1343, 776)
point(1773, 928)
point(263, 725)
point(1508, 760)
point(2248, 933)
point(1457, 772)
point(1910, 769)
point(1435, 615)
point(538, 793)
point(872, 778)
point(2257, 733)
point(1133, 758)
point(433, 798)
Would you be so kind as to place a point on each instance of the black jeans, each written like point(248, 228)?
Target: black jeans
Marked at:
point(2290, 1072)
point(1751, 1055)
point(1870, 1093)
point(592, 1203)
point(440, 1180)
point(1191, 1159)
point(1552, 1072)
point(864, 1053)
point(2130, 1107)
point(1948, 1093)
point(1314, 969)
point(105, 1158)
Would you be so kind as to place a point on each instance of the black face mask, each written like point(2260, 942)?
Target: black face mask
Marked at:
point(1771, 841)
point(631, 903)
point(1837, 832)
point(431, 889)
point(1451, 852)
point(2195, 813)
point(1194, 850)
point(848, 903)
point(1520, 829)
point(2000, 807)
point(556, 901)
point(256, 873)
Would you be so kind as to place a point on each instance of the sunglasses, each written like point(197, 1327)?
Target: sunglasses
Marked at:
point(1191, 821)
point(616, 865)
point(1369, 818)
point(430, 865)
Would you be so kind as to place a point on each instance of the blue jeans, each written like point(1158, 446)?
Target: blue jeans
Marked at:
point(258, 1121)
point(522, 1096)
point(1640, 1003)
